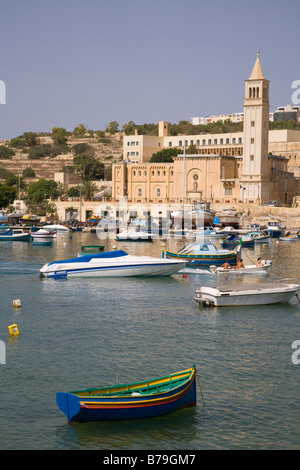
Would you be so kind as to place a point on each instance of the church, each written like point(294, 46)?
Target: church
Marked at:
point(227, 168)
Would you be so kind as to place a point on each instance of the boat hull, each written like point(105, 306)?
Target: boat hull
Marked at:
point(111, 265)
point(83, 408)
point(246, 270)
point(245, 297)
point(195, 260)
point(20, 237)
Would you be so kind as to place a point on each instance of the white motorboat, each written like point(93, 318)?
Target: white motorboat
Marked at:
point(43, 234)
point(248, 269)
point(57, 227)
point(288, 239)
point(112, 264)
point(135, 235)
point(246, 294)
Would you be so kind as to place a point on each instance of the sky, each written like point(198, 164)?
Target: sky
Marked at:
point(65, 62)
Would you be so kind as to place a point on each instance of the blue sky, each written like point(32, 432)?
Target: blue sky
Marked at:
point(68, 62)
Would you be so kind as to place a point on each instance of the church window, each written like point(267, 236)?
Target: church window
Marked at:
point(158, 192)
point(180, 143)
point(191, 142)
point(257, 92)
point(253, 91)
point(209, 141)
point(252, 140)
point(139, 192)
point(221, 141)
point(252, 157)
point(240, 140)
point(140, 173)
point(250, 93)
point(215, 141)
point(227, 140)
point(234, 140)
point(252, 123)
point(134, 173)
point(203, 142)
point(228, 191)
point(198, 142)
point(158, 173)
point(152, 173)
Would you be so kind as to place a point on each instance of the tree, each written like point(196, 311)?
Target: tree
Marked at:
point(5, 152)
point(165, 155)
point(42, 189)
point(30, 139)
point(74, 191)
point(7, 195)
point(83, 148)
point(88, 189)
point(59, 135)
point(28, 173)
point(129, 128)
point(112, 127)
point(88, 167)
point(80, 130)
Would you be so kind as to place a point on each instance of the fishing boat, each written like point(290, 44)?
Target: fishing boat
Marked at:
point(145, 399)
point(229, 217)
point(259, 236)
point(42, 234)
point(233, 240)
point(202, 215)
point(274, 228)
point(3, 229)
point(246, 294)
point(206, 254)
point(112, 264)
point(15, 237)
point(248, 269)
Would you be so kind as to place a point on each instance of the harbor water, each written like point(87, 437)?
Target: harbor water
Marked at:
point(95, 332)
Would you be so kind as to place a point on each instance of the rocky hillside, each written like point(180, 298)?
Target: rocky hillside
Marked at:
point(107, 149)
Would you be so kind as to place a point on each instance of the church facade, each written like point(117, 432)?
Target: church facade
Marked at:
point(227, 168)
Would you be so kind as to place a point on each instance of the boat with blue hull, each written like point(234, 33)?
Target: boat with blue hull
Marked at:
point(275, 229)
point(145, 399)
point(206, 254)
point(111, 264)
point(233, 241)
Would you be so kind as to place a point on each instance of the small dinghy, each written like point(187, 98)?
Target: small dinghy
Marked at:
point(246, 294)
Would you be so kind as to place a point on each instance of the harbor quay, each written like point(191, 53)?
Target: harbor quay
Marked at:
point(123, 211)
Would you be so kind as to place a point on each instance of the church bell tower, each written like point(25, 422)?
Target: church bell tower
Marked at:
point(254, 184)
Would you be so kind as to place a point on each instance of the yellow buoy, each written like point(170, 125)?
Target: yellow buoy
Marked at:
point(17, 303)
point(14, 330)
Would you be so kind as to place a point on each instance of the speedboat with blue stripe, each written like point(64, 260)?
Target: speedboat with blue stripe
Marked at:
point(112, 264)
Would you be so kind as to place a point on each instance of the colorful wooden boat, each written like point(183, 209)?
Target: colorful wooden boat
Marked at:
point(259, 236)
point(232, 241)
point(15, 237)
point(198, 255)
point(145, 399)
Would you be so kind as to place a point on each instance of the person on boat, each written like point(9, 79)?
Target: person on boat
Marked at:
point(259, 262)
point(226, 265)
point(239, 264)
